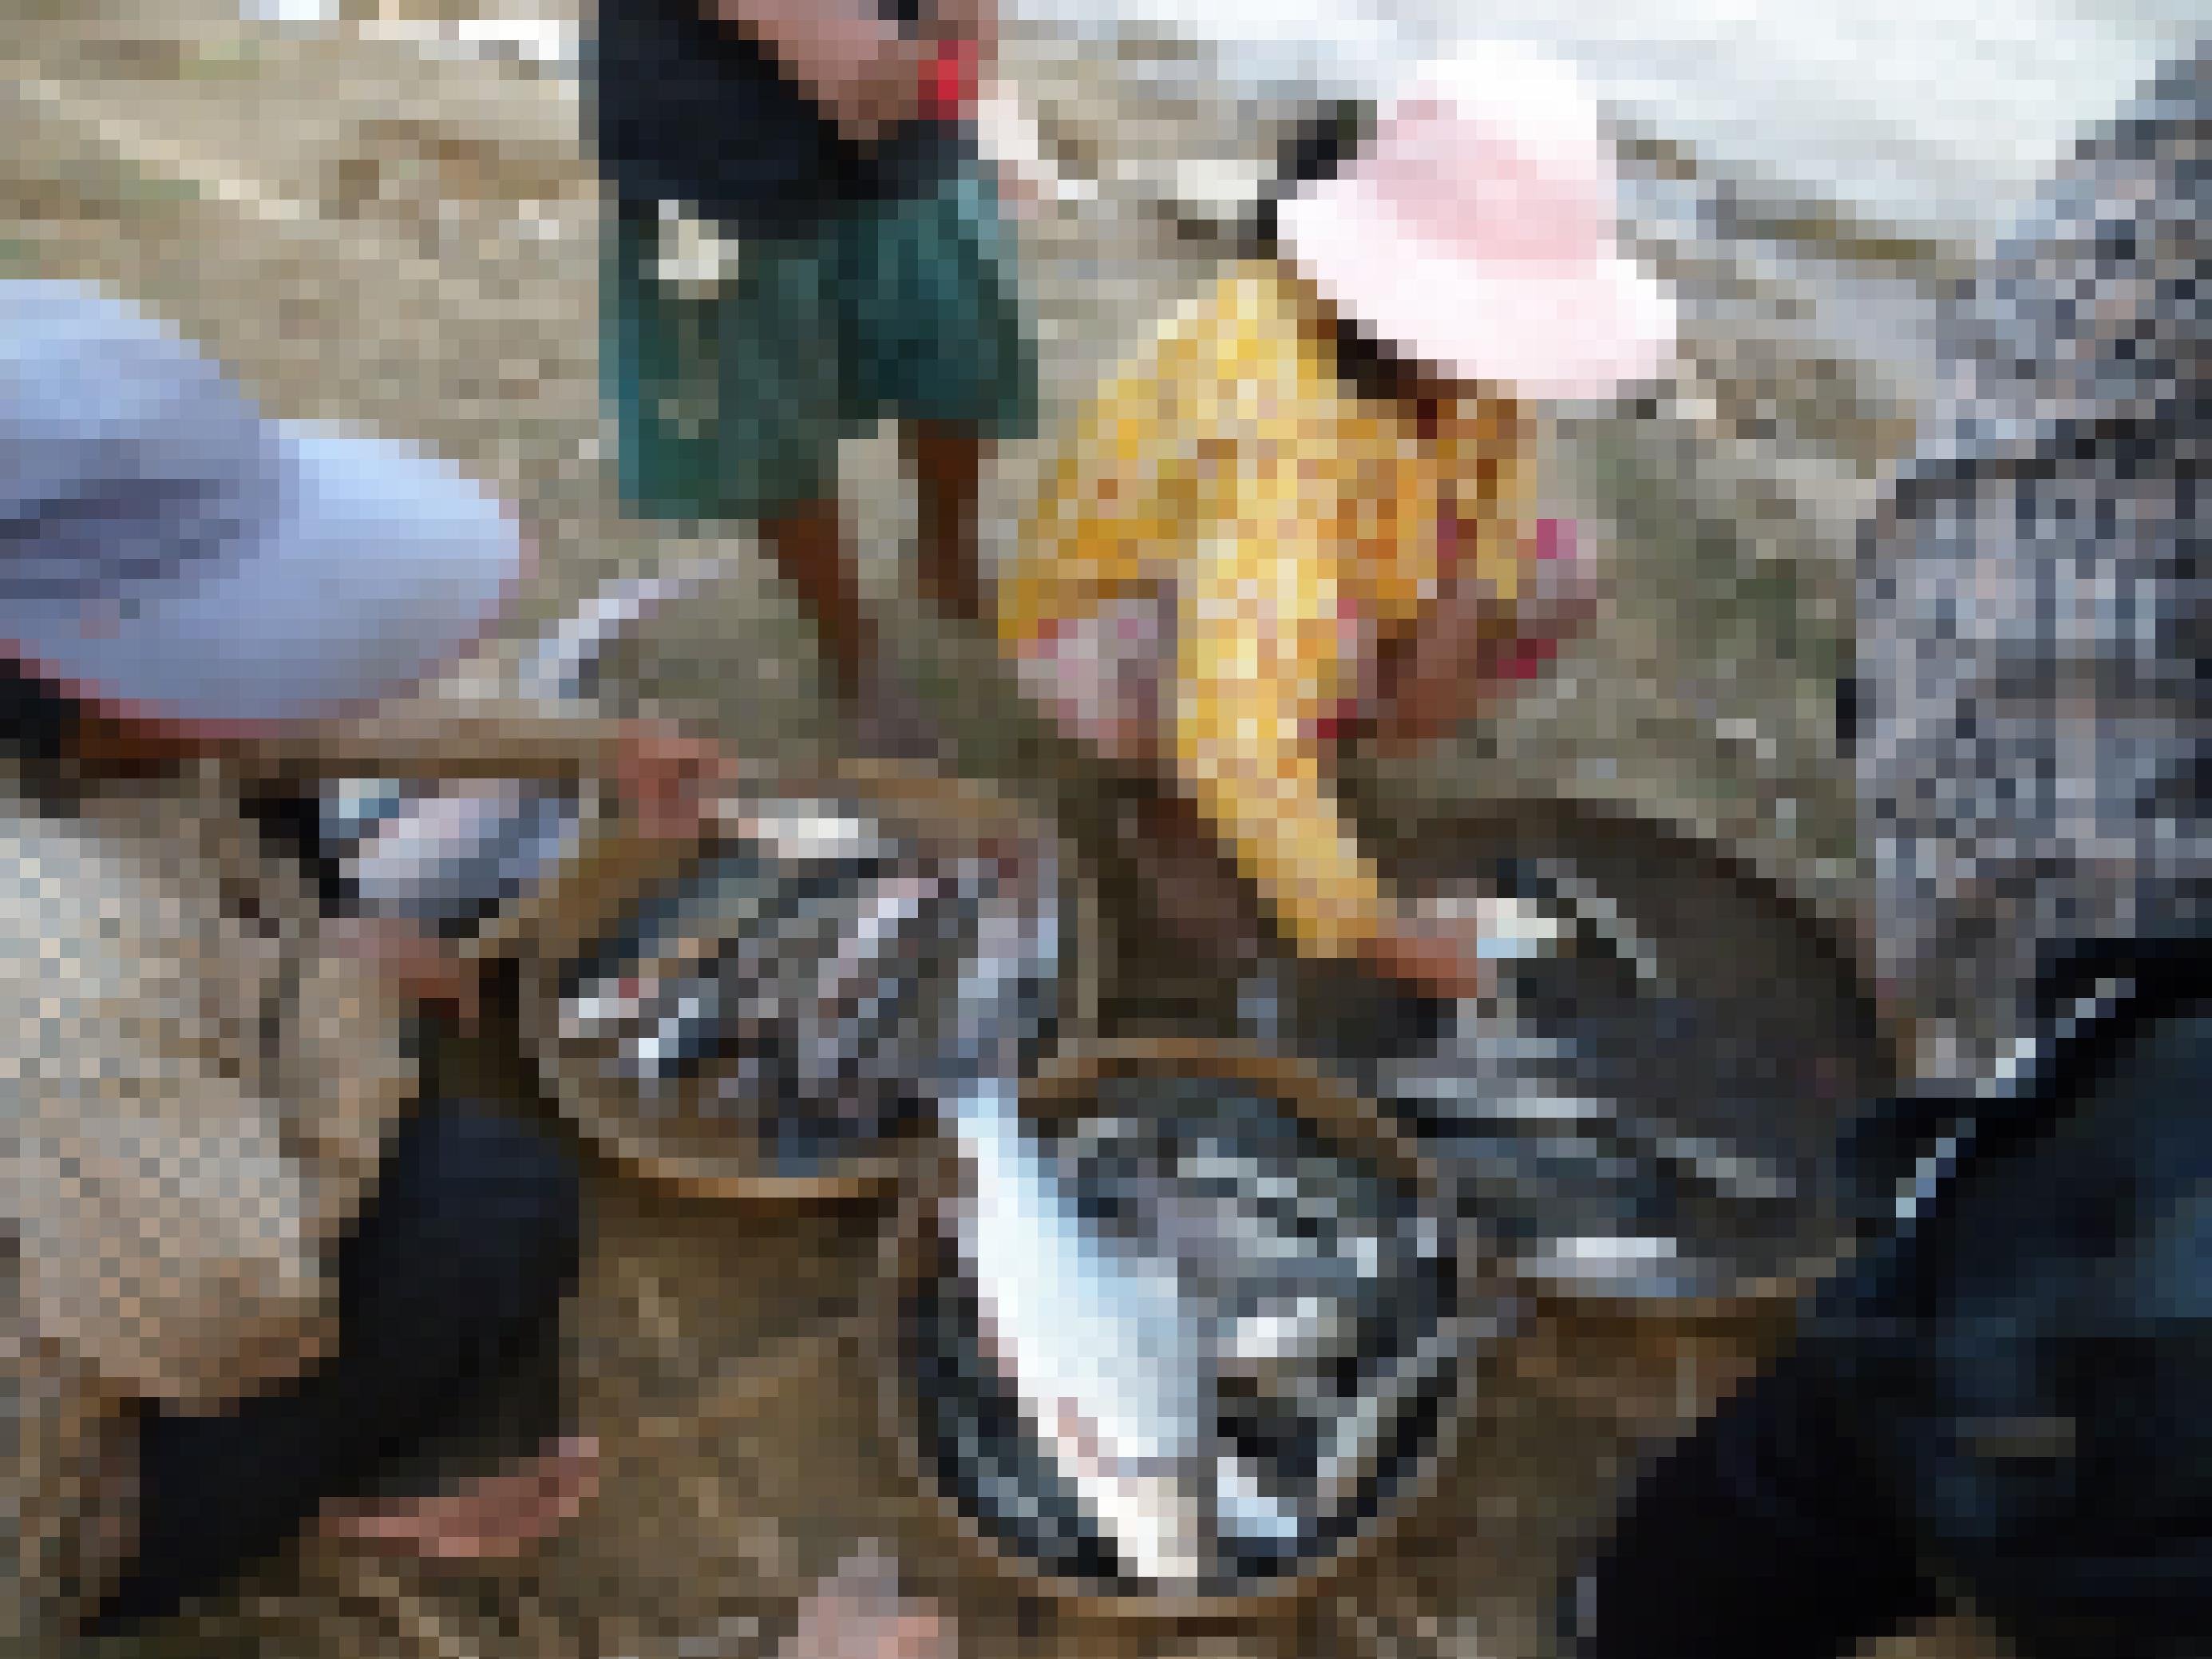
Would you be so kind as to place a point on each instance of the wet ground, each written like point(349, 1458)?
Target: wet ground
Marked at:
point(380, 236)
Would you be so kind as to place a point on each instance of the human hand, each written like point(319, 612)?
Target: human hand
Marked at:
point(892, 88)
point(1451, 950)
point(418, 967)
point(864, 72)
point(1445, 962)
point(667, 779)
point(1469, 654)
point(1427, 706)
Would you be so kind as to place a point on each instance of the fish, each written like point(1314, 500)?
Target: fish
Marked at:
point(1238, 1280)
point(829, 972)
point(1359, 1435)
point(678, 1028)
point(801, 833)
point(856, 1006)
point(1095, 1342)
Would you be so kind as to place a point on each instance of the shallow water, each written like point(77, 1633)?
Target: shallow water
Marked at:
point(1930, 111)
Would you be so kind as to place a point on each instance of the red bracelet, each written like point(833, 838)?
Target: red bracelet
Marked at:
point(1529, 657)
point(948, 86)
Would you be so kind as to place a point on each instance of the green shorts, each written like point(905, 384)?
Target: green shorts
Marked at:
point(731, 402)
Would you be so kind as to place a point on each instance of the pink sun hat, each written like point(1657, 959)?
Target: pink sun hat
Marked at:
point(1476, 231)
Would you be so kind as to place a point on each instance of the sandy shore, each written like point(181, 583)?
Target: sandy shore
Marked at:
point(404, 239)
point(380, 234)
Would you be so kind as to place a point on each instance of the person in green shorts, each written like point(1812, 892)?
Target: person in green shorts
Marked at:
point(860, 270)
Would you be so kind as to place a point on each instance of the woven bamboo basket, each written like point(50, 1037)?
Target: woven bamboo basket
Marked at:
point(614, 869)
point(1061, 1094)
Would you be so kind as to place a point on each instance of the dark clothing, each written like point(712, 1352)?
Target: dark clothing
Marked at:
point(38, 723)
point(2003, 1399)
point(1760, 1535)
point(731, 399)
point(686, 108)
point(449, 1293)
point(453, 1281)
point(293, 827)
point(38, 727)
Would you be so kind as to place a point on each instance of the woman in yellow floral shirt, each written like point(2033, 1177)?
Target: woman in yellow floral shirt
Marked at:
point(1306, 507)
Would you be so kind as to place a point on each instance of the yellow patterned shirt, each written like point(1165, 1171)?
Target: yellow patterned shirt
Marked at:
point(1295, 524)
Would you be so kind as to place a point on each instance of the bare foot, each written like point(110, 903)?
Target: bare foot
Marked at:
point(499, 1518)
point(860, 1612)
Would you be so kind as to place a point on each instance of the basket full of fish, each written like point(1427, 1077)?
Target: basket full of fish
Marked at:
point(1181, 1329)
point(767, 1016)
point(763, 1016)
point(1642, 1115)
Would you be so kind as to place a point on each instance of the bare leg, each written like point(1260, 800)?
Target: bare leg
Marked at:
point(1201, 899)
point(808, 545)
point(947, 464)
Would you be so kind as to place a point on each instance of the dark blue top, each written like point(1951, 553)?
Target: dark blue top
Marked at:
point(37, 721)
point(686, 108)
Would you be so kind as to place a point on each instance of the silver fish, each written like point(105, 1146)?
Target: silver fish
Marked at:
point(676, 1030)
point(801, 833)
point(1253, 1276)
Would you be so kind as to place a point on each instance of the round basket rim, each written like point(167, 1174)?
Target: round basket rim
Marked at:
point(958, 806)
point(1344, 1118)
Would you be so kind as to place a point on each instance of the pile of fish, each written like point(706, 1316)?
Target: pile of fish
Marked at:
point(1254, 1336)
point(446, 857)
point(1603, 1126)
point(1610, 1121)
point(450, 856)
point(796, 986)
